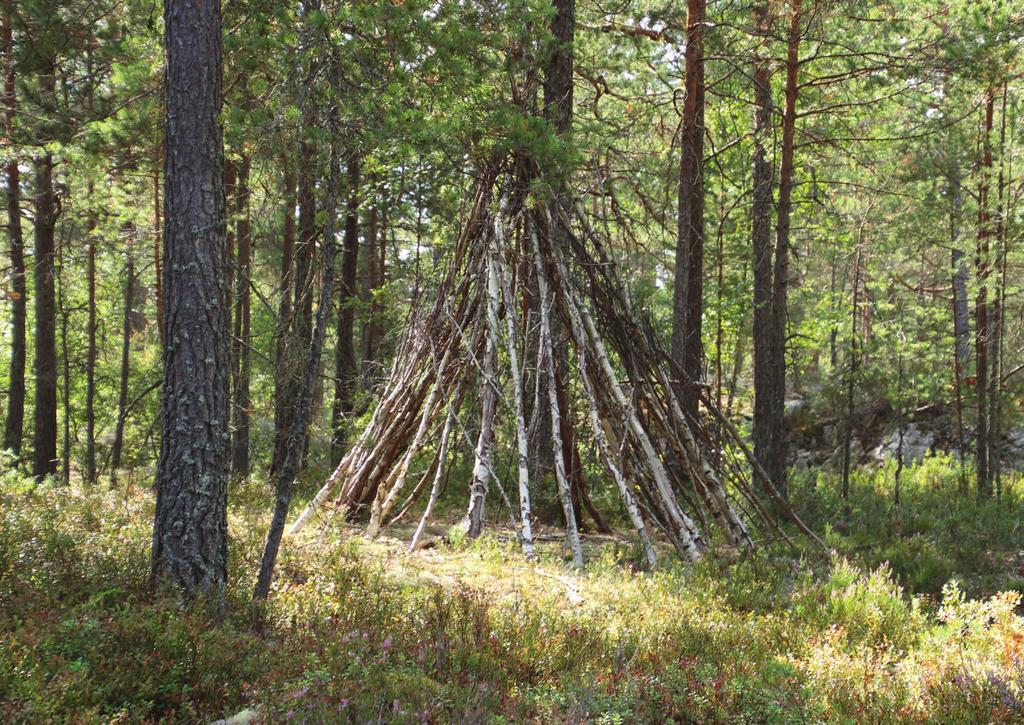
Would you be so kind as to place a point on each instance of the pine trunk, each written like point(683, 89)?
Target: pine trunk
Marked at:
point(780, 272)
point(44, 459)
point(688, 297)
point(346, 370)
point(126, 342)
point(15, 421)
point(242, 337)
point(981, 312)
point(190, 526)
point(767, 397)
point(282, 327)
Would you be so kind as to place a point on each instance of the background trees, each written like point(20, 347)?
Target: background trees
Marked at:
point(815, 204)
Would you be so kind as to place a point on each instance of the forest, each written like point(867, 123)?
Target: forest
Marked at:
point(597, 361)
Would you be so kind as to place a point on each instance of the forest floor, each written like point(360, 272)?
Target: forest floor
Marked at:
point(912, 615)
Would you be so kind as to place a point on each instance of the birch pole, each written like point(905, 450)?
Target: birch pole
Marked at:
point(546, 300)
point(511, 325)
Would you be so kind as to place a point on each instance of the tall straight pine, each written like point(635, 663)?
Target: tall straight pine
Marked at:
point(190, 530)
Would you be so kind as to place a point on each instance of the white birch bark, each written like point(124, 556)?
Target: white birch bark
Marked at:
point(602, 440)
point(571, 531)
point(686, 535)
point(484, 456)
point(511, 325)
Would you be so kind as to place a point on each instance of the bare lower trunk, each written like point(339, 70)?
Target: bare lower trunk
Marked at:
point(65, 449)
point(300, 326)
point(44, 460)
point(122, 394)
point(90, 354)
point(242, 337)
point(767, 396)
point(158, 275)
point(345, 366)
point(190, 543)
point(981, 310)
point(546, 301)
point(282, 326)
point(15, 420)
point(688, 300)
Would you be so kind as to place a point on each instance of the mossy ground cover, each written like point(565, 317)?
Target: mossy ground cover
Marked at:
point(913, 617)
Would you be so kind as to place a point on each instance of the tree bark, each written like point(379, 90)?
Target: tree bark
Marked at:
point(346, 370)
point(522, 441)
point(998, 322)
point(688, 296)
point(558, 73)
point(122, 390)
point(158, 275)
point(190, 526)
point(90, 354)
point(767, 398)
point(242, 337)
point(44, 460)
point(981, 312)
point(65, 314)
point(483, 465)
point(780, 272)
point(15, 421)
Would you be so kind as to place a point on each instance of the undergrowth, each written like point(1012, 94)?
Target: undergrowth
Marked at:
point(912, 618)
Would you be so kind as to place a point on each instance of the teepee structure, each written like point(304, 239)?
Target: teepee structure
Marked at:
point(673, 476)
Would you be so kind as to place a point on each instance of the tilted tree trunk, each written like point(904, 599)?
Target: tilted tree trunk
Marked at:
point(688, 296)
point(126, 347)
point(14, 423)
point(297, 435)
point(242, 338)
point(767, 398)
point(282, 327)
point(300, 328)
point(346, 370)
point(512, 345)
point(190, 526)
point(44, 456)
point(546, 301)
